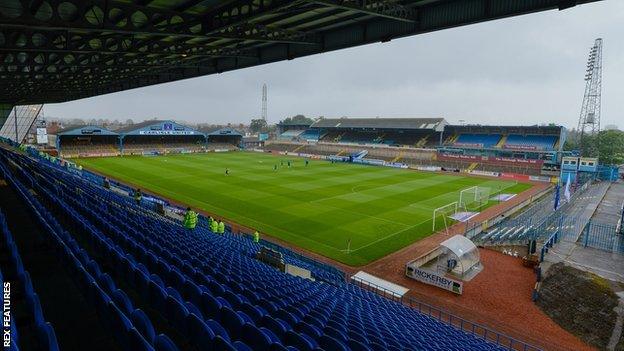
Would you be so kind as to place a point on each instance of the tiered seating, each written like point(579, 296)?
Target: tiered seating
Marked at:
point(281, 147)
point(310, 135)
point(290, 134)
point(220, 146)
point(210, 288)
point(165, 147)
point(19, 280)
point(89, 149)
point(477, 140)
point(530, 142)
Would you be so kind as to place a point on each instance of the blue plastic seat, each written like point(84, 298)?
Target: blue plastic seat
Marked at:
point(143, 324)
point(157, 297)
point(358, 346)
point(254, 336)
point(200, 334)
point(136, 342)
point(173, 292)
point(163, 343)
point(299, 340)
point(329, 343)
point(176, 279)
point(193, 309)
point(176, 313)
point(122, 301)
point(278, 326)
point(47, 337)
point(221, 344)
point(119, 324)
point(141, 281)
point(232, 322)
point(218, 329)
point(192, 292)
point(210, 306)
point(308, 329)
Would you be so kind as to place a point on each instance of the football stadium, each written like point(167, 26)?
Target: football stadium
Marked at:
point(310, 234)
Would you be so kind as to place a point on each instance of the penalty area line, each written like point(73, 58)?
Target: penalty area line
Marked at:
point(389, 236)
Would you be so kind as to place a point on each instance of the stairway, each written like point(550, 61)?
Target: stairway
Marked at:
point(422, 142)
point(472, 166)
point(399, 156)
point(501, 142)
point(298, 148)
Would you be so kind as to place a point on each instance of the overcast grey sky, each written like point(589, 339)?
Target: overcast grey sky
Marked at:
point(520, 70)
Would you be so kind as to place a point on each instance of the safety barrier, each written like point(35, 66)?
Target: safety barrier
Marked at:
point(552, 240)
point(602, 236)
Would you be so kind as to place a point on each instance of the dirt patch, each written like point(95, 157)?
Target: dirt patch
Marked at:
point(580, 302)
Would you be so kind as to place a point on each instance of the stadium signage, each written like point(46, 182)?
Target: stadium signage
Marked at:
point(491, 160)
point(166, 132)
point(436, 279)
point(520, 147)
point(485, 173)
point(429, 168)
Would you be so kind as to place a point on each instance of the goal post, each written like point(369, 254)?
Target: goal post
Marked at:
point(473, 196)
point(444, 212)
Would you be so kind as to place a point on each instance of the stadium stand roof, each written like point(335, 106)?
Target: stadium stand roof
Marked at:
point(158, 127)
point(225, 132)
point(15, 122)
point(291, 123)
point(54, 51)
point(85, 130)
point(476, 128)
point(381, 123)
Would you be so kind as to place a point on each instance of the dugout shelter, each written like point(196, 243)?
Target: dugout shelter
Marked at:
point(448, 266)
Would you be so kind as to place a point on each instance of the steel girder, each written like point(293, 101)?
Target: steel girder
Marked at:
point(59, 50)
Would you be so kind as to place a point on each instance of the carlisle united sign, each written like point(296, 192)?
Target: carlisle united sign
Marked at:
point(166, 132)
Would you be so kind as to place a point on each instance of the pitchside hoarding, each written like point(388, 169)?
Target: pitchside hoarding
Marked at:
point(435, 279)
point(490, 160)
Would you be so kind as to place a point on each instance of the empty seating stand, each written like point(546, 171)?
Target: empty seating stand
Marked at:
point(16, 285)
point(209, 288)
point(530, 142)
point(477, 140)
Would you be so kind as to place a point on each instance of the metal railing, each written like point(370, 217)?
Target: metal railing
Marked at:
point(550, 242)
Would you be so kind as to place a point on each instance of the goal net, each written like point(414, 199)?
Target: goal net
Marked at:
point(441, 215)
point(473, 198)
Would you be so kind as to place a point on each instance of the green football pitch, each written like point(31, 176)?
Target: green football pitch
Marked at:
point(348, 212)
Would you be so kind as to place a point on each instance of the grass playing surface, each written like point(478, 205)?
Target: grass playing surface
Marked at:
point(319, 207)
